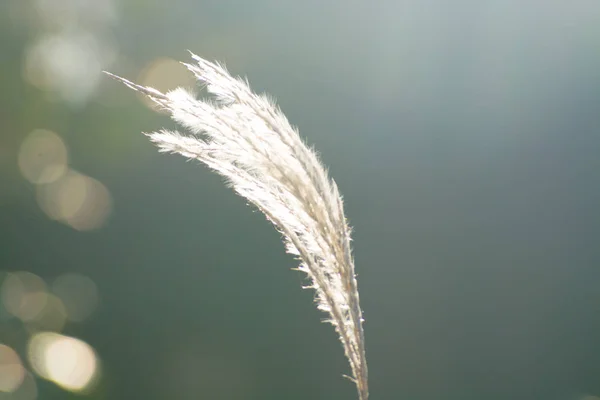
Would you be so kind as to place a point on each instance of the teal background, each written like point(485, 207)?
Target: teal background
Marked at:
point(465, 137)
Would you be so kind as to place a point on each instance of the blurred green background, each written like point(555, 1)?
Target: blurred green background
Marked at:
point(464, 135)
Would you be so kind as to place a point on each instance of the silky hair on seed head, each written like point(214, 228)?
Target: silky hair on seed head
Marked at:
point(245, 138)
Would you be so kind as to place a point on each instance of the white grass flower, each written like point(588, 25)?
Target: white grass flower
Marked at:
point(246, 138)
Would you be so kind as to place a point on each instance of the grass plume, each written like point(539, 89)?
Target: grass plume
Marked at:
point(246, 138)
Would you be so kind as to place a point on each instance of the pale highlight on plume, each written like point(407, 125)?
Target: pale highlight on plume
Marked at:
point(246, 138)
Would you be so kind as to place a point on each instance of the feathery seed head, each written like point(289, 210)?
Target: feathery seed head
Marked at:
point(246, 138)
